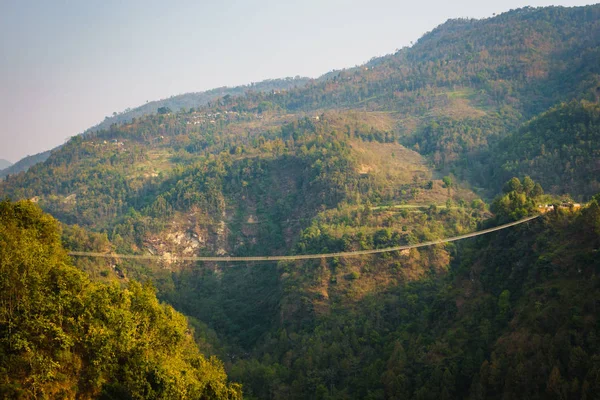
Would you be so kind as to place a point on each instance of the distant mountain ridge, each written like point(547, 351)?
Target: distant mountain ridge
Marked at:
point(515, 62)
point(198, 99)
point(25, 163)
point(174, 103)
point(451, 97)
point(4, 164)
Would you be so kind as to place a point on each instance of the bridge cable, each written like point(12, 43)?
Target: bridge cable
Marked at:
point(299, 256)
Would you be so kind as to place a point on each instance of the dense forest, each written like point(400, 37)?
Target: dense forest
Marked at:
point(560, 149)
point(514, 317)
point(63, 336)
point(479, 123)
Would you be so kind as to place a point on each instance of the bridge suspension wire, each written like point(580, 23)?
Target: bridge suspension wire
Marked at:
point(300, 256)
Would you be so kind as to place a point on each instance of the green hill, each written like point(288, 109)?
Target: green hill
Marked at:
point(514, 318)
point(62, 336)
point(173, 103)
point(198, 99)
point(396, 151)
point(560, 149)
point(456, 92)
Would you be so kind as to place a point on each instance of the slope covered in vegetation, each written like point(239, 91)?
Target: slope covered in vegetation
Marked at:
point(515, 317)
point(196, 100)
point(560, 149)
point(375, 156)
point(62, 336)
point(459, 89)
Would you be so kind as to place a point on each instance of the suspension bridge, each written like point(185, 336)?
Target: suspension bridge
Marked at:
point(344, 254)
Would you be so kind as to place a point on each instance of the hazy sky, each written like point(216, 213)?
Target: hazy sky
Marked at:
point(65, 65)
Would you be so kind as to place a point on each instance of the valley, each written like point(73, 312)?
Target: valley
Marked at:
point(255, 225)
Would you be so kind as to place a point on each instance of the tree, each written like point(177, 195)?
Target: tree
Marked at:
point(447, 181)
point(556, 387)
point(513, 185)
point(514, 203)
point(504, 304)
point(478, 204)
point(528, 186)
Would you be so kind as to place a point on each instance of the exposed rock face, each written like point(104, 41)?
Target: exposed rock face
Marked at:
point(190, 234)
point(187, 235)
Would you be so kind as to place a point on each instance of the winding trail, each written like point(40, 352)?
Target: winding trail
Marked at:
point(301, 256)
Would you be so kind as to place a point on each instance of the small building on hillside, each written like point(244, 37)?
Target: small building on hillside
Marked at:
point(544, 208)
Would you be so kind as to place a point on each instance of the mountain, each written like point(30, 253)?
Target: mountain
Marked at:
point(460, 87)
point(515, 317)
point(4, 164)
point(24, 164)
point(199, 99)
point(404, 149)
point(175, 103)
point(559, 148)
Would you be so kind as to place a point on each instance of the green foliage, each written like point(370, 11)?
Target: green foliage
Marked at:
point(64, 336)
point(559, 149)
point(504, 304)
point(447, 181)
point(513, 185)
point(518, 200)
point(515, 319)
point(510, 315)
point(478, 204)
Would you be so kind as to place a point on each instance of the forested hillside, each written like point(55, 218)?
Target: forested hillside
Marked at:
point(408, 148)
point(560, 149)
point(454, 93)
point(199, 99)
point(62, 336)
point(515, 317)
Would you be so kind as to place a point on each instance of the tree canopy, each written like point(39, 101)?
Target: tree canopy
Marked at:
point(64, 336)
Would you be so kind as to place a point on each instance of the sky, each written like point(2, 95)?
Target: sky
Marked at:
point(65, 65)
